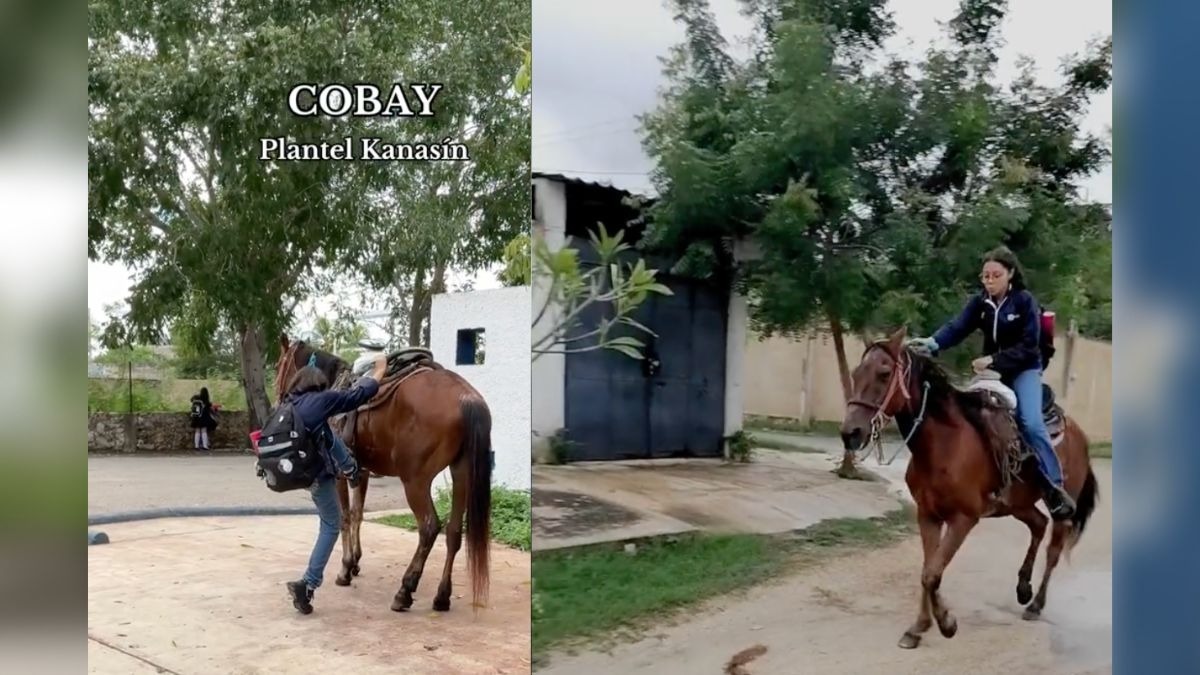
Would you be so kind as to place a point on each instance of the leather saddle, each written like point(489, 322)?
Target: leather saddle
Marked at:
point(400, 363)
point(1000, 395)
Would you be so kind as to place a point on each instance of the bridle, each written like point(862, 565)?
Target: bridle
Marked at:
point(880, 419)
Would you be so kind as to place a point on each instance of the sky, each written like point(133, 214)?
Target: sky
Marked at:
point(596, 65)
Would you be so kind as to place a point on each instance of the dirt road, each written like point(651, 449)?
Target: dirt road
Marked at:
point(846, 616)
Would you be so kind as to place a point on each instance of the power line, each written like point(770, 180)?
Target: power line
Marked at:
point(593, 125)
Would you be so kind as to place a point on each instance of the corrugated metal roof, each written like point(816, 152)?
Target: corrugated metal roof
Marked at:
point(563, 178)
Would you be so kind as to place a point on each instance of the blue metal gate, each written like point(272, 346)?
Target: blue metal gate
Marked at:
point(618, 408)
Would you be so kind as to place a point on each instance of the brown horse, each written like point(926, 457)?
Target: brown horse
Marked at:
point(954, 472)
point(417, 425)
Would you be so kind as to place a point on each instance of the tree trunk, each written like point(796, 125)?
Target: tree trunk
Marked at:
point(847, 468)
point(253, 361)
point(417, 314)
point(839, 346)
point(436, 285)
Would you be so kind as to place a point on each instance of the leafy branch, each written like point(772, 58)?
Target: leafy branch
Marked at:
point(574, 287)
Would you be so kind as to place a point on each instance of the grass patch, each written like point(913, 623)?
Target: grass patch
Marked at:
point(599, 592)
point(1102, 450)
point(775, 444)
point(794, 426)
point(511, 523)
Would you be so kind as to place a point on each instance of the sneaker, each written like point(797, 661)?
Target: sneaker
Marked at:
point(1059, 503)
point(302, 596)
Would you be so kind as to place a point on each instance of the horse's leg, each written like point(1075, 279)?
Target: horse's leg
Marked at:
point(1036, 522)
point(421, 503)
point(931, 535)
point(358, 501)
point(460, 473)
point(343, 491)
point(957, 528)
point(1058, 536)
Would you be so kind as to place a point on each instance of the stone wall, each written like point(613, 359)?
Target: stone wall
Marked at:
point(161, 432)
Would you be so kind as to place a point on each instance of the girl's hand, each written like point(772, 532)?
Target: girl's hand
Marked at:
point(981, 364)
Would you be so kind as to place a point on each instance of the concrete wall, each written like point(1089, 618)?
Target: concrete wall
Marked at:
point(161, 432)
point(548, 370)
point(799, 380)
point(503, 378)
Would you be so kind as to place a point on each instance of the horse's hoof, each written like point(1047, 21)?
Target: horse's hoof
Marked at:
point(441, 604)
point(1024, 592)
point(354, 570)
point(909, 641)
point(1031, 613)
point(401, 604)
point(342, 580)
point(948, 625)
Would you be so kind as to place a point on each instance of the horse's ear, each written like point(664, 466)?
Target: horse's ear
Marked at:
point(896, 340)
point(283, 340)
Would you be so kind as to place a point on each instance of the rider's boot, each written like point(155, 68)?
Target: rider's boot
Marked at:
point(1058, 501)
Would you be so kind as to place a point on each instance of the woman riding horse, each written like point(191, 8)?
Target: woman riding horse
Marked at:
point(1009, 317)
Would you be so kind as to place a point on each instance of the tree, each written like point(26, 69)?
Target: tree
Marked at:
point(180, 95)
point(458, 216)
point(870, 185)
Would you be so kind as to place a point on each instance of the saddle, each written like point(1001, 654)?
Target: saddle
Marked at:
point(1001, 396)
point(400, 365)
point(1008, 445)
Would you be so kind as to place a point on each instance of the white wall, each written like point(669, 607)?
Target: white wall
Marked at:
point(503, 378)
point(735, 366)
point(549, 370)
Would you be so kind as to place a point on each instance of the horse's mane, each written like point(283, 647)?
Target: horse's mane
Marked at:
point(942, 391)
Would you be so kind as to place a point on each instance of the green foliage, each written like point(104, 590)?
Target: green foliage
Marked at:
point(518, 268)
point(112, 395)
point(618, 286)
point(873, 186)
point(741, 446)
point(561, 447)
point(511, 509)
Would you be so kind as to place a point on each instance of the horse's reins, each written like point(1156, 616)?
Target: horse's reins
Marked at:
point(881, 419)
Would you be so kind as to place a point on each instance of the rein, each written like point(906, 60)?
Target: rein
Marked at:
point(881, 419)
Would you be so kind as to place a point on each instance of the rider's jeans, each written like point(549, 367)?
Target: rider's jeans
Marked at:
point(1028, 388)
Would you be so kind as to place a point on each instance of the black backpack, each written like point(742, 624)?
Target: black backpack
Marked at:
point(288, 457)
point(197, 409)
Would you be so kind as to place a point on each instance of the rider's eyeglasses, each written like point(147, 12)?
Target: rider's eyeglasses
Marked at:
point(993, 276)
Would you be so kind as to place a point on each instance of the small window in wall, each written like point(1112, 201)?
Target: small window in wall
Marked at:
point(470, 347)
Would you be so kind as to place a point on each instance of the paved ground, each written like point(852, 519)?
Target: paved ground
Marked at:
point(846, 616)
point(126, 483)
point(611, 501)
point(206, 595)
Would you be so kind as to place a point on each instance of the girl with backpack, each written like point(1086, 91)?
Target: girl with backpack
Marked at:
point(313, 404)
point(203, 420)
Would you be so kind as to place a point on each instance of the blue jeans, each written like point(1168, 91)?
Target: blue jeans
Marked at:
point(1028, 388)
point(324, 495)
point(339, 454)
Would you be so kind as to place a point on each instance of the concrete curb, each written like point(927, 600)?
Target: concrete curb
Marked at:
point(199, 512)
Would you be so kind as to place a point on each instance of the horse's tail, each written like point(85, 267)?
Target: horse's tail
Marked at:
point(477, 447)
point(1084, 506)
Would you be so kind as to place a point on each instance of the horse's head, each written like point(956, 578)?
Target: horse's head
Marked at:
point(296, 354)
point(879, 388)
